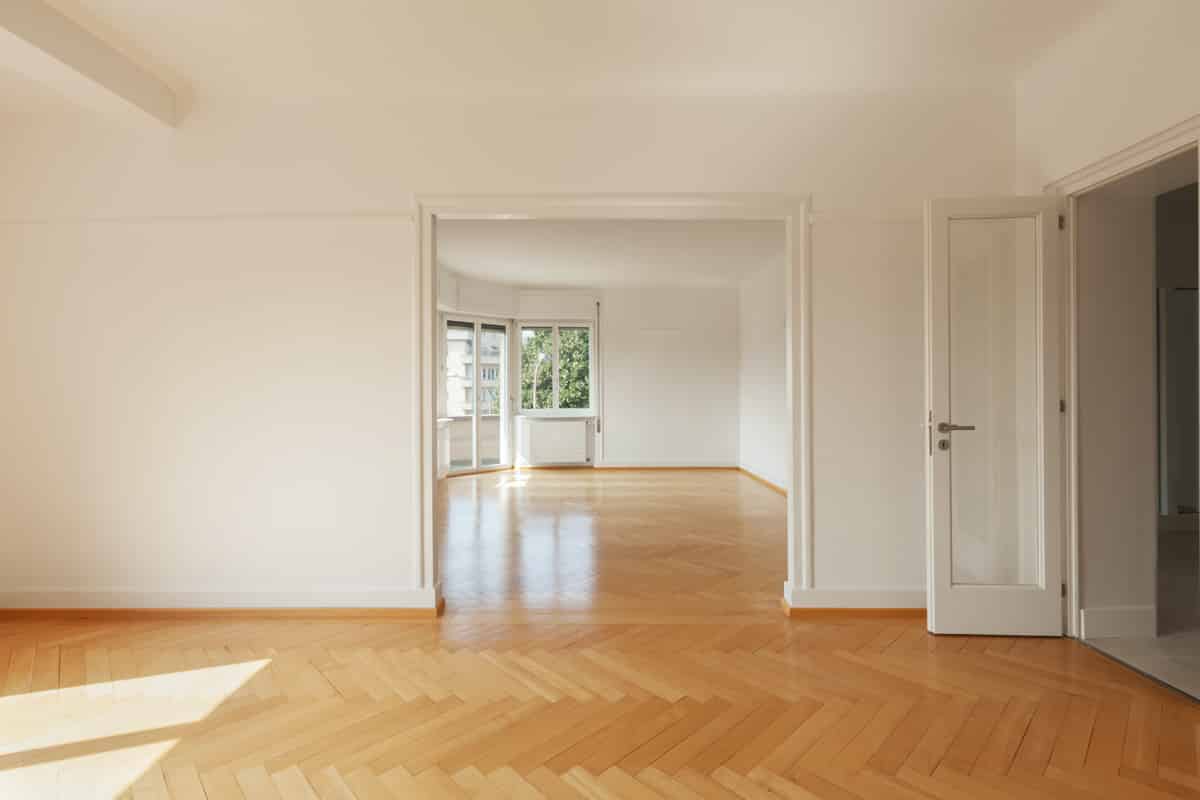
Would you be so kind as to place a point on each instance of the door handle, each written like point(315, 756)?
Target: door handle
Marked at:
point(946, 427)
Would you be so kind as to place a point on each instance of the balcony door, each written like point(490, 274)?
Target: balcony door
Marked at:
point(476, 370)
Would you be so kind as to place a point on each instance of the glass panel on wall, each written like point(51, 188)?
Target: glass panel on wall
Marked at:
point(574, 377)
point(994, 386)
point(492, 355)
point(537, 367)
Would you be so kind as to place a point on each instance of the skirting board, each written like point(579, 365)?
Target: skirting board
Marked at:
point(413, 604)
point(775, 487)
point(907, 603)
point(1115, 621)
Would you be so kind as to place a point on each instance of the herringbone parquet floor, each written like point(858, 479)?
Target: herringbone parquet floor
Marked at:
point(621, 657)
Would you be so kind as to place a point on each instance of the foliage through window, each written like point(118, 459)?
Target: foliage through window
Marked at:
point(556, 367)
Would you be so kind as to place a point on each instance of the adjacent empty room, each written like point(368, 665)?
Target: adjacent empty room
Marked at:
point(613, 415)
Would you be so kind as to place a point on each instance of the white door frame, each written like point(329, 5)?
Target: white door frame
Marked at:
point(1145, 153)
point(792, 210)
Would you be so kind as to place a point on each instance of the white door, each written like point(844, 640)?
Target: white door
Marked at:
point(993, 482)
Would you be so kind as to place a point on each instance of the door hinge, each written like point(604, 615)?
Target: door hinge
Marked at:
point(1064, 591)
point(1062, 406)
point(1062, 222)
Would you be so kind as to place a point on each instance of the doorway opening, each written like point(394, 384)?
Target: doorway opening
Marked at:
point(1137, 435)
point(590, 370)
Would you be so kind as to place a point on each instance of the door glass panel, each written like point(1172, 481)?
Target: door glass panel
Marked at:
point(492, 353)
point(995, 532)
point(460, 392)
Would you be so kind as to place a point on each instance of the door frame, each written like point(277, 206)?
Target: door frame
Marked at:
point(792, 210)
point(1143, 154)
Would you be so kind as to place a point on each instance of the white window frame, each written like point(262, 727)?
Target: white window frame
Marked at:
point(506, 444)
point(555, 324)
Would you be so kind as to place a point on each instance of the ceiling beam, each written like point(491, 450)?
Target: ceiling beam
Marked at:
point(40, 42)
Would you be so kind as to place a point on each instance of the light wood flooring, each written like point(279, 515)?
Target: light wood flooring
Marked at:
point(607, 635)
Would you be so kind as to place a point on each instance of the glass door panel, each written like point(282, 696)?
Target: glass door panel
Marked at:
point(460, 393)
point(994, 392)
point(493, 355)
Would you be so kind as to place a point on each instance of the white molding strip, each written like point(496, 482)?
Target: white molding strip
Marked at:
point(123, 597)
point(1118, 621)
point(46, 45)
point(855, 597)
point(1137, 156)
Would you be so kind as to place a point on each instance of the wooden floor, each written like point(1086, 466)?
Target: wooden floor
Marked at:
point(607, 636)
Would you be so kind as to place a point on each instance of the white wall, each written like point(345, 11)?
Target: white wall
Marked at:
point(1125, 75)
point(244, 188)
point(206, 411)
point(1117, 405)
point(670, 368)
point(764, 423)
point(868, 401)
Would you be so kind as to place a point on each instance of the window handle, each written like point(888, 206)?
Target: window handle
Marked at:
point(946, 427)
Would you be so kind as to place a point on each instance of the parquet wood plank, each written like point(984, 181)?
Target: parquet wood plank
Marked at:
point(657, 667)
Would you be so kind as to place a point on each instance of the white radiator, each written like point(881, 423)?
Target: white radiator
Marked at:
point(546, 441)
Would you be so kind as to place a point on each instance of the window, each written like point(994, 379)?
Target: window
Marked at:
point(556, 368)
point(460, 369)
point(475, 371)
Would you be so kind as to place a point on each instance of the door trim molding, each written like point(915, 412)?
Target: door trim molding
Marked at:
point(792, 210)
point(1138, 156)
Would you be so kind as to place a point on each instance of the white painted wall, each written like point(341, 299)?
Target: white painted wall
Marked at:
point(241, 189)
point(1117, 404)
point(868, 404)
point(206, 411)
point(1123, 76)
point(670, 367)
point(764, 423)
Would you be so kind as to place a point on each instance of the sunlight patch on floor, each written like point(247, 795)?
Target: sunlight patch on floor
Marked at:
point(93, 741)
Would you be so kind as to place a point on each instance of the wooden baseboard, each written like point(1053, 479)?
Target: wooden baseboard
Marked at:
point(754, 476)
point(182, 614)
point(466, 473)
point(816, 612)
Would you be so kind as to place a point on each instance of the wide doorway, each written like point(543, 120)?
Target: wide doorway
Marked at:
point(613, 416)
point(1137, 437)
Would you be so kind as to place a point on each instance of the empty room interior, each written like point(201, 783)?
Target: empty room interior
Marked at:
point(613, 420)
point(553, 399)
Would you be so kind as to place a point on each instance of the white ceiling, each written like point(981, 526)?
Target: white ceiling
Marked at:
point(380, 51)
point(608, 253)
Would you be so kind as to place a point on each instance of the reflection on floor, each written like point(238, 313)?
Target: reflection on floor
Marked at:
point(604, 544)
point(607, 636)
point(1174, 656)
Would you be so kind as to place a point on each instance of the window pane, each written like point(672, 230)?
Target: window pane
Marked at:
point(574, 377)
point(537, 368)
point(491, 370)
point(492, 350)
point(460, 369)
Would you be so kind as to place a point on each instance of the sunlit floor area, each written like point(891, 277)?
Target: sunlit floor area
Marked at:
point(607, 636)
point(586, 544)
